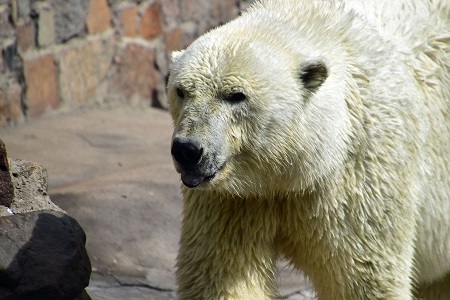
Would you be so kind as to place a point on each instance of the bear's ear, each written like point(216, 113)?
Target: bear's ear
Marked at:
point(176, 55)
point(313, 73)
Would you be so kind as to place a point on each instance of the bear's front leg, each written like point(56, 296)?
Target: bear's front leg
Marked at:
point(358, 251)
point(226, 248)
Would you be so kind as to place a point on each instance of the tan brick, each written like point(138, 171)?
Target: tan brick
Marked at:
point(136, 74)
point(15, 102)
point(4, 107)
point(40, 79)
point(98, 18)
point(6, 28)
point(82, 67)
point(46, 23)
point(173, 39)
point(128, 19)
point(151, 22)
point(10, 103)
point(25, 36)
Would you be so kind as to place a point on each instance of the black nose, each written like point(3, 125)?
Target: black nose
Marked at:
point(186, 153)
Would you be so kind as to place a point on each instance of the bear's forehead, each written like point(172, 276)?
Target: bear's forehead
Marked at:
point(214, 55)
point(216, 63)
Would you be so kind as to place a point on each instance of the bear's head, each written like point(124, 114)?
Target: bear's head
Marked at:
point(254, 112)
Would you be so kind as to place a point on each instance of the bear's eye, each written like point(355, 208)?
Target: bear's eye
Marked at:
point(180, 92)
point(235, 97)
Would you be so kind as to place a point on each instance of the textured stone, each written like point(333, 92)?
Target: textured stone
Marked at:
point(169, 24)
point(30, 182)
point(40, 78)
point(6, 186)
point(9, 52)
point(83, 67)
point(173, 39)
point(136, 73)
point(70, 16)
point(194, 10)
point(127, 16)
point(171, 11)
point(208, 14)
point(223, 11)
point(162, 62)
point(25, 35)
point(42, 256)
point(151, 22)
point(189, 30)
point(6, 29)
point(21, 9)
point(98, 17)
point(46, 25)
point(10, 103)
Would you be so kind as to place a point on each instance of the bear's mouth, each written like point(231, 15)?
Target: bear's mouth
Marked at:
point(194, 180)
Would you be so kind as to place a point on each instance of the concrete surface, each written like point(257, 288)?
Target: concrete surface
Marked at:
point(112, 171)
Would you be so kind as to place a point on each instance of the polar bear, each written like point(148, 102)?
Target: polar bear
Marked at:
point(316, 132)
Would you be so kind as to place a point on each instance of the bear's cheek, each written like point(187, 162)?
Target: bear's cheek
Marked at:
point(234, 138)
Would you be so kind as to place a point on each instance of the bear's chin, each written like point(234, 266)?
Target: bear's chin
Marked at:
point(194, 180)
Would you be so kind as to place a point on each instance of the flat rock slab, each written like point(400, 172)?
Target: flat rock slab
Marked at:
point(112, 171)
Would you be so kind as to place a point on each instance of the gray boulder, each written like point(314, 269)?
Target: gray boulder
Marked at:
point(42, 249)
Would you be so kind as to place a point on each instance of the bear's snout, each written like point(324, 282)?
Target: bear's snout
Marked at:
point(186, 153)
point(191, 162)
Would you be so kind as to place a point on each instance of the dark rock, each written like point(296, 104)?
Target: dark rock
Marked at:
point(6, 186)
point(42, 256)
point(83, 296)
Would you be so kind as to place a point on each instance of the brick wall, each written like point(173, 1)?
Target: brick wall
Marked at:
point(63, 54)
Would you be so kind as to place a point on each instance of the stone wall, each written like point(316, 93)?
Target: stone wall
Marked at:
point(65, 54)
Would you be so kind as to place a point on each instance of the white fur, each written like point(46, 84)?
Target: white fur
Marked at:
point(350, 182)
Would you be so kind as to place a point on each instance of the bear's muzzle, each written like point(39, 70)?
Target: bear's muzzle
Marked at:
point(188, 154)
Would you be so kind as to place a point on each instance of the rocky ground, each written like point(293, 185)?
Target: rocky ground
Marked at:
point(112, 171)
